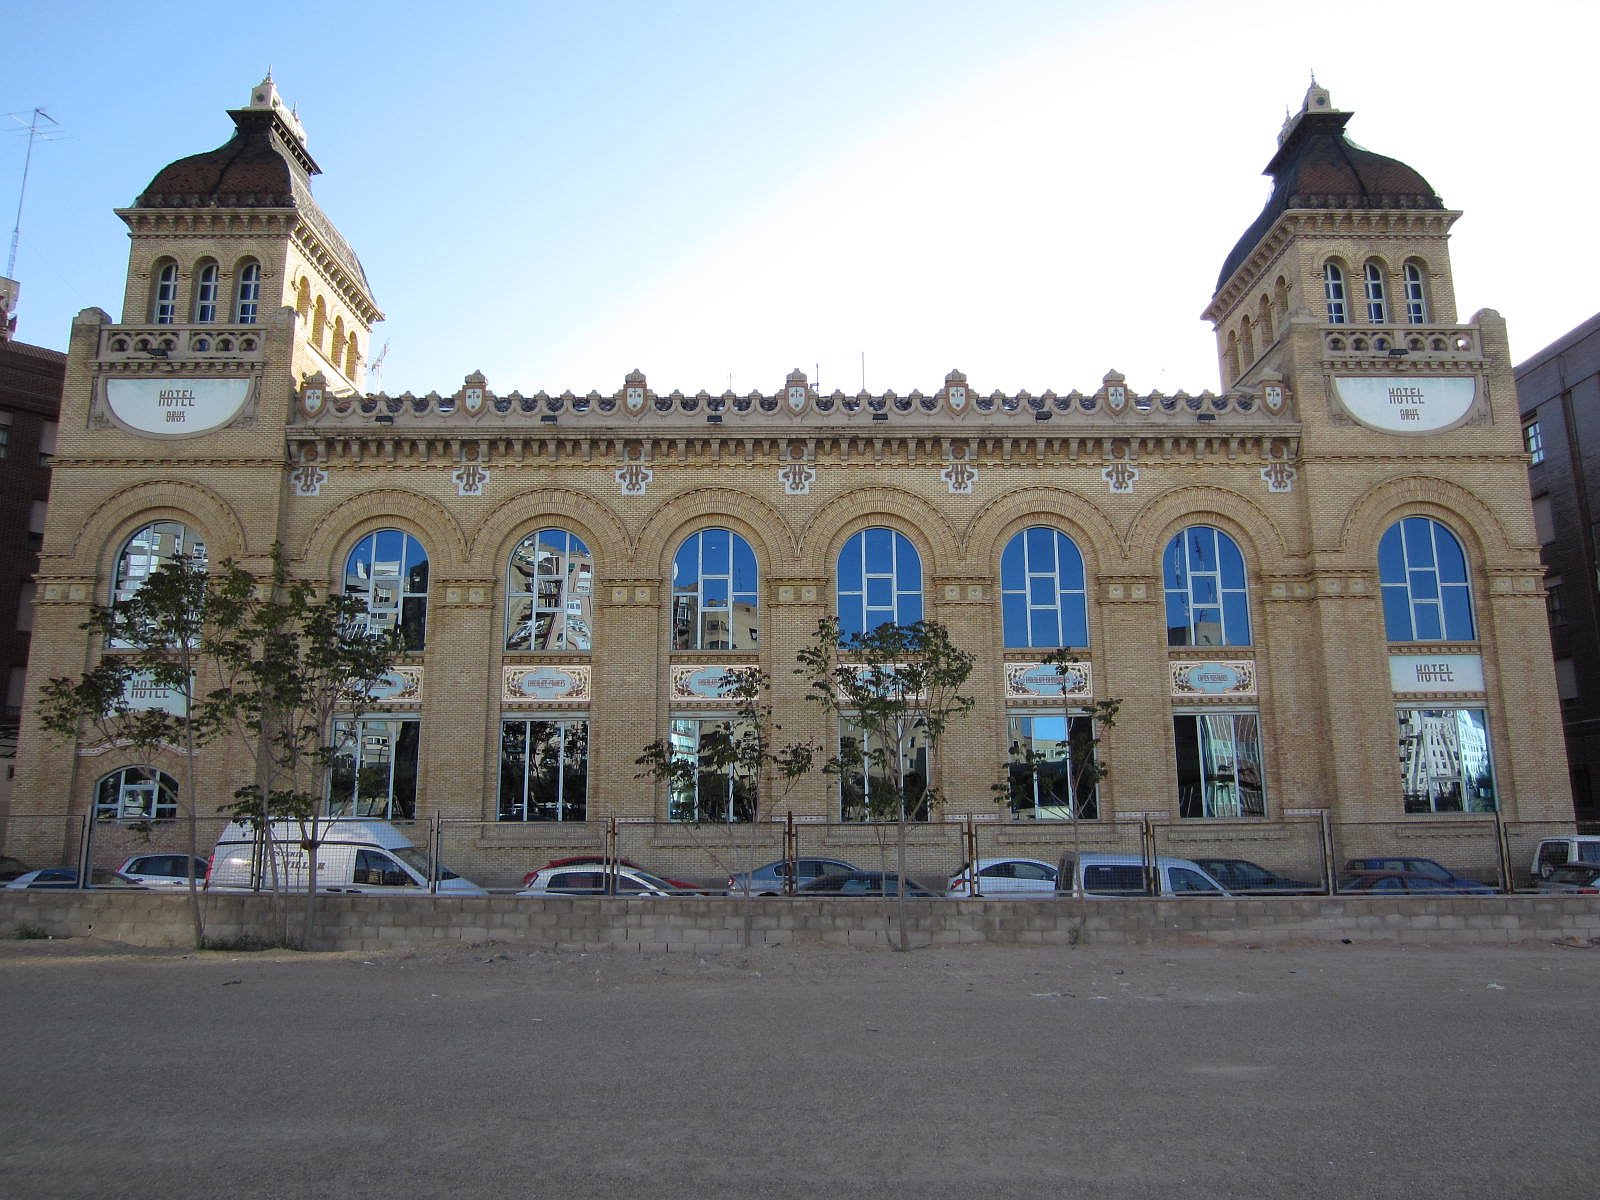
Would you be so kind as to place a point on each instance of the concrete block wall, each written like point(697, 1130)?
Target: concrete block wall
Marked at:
point(713, 924)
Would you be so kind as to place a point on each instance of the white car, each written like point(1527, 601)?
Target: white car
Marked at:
point(1004, 879)
point(165, 870)
point(591, 880)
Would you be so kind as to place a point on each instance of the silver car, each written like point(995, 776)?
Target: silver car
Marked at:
point(769, 880)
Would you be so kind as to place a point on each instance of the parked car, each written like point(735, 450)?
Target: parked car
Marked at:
point(1553, 852)
point(863, 883)
point(61, 878)
point(10, 868)
point(1004, 878)
point(165, 870)
point(353, 855)
point(1574, 879)
point(1245, 878)
point(589, 880)
point(593, 860)
point(769, 880)
point(1409, 882)
point(1099, 875)
point(1417, 866)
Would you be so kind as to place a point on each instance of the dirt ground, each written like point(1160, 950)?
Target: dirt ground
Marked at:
point(497, 1070)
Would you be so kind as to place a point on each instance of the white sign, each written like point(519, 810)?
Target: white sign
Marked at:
point(142, 693)
point(176, 407)
point(1406, 405)
point(1438, 674)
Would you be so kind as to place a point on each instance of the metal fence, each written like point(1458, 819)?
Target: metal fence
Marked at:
point(502, 855)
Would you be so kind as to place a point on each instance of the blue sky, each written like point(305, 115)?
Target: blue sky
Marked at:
point(716, 193)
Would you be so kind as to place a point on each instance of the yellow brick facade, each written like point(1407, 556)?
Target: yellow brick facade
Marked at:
point(1277, 461)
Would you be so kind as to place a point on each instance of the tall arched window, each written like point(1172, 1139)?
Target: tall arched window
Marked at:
point(352, 357)
point(136, 794)
point(714, 604)
point(302, 300)
point(1333, 293)
point(550, 593)
point(1043, 600)
point(247, 306)
point(1247, 343)
point(1207, 600)
point(1427, 596)
point(1377, 298)
point(336, 346)
point(880, 581)
point(319, 322)
point(389, 570)
point(207, 285)
point(1416, 296)
point(148, 549)
point(164, 300)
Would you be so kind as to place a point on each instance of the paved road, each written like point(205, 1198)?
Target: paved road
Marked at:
point(494, 1071)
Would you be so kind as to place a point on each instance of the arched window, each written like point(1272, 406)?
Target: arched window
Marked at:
point(1426, 594)
point(1416, 296)
point(319, 322)
point(148, 549)
point(302, 300)
point(164, 301)
point(352, 357)
point(389, 570)
point(714, 593)
point(336, 347)
point(1333, 293)
point(1377, 298)
point(550, 593)
point(1043, 600)
point(136, 794)
point(880, 581)
point(1207, 600)
point(1264, 321)
point(247, 306)
point(1247, 344)
point(1233, 356)
point(207, 284)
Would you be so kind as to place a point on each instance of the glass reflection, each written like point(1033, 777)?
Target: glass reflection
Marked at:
point(136, 794)
point(1426, 593)
point(1043, 602)
point(550, 593)
point(151, 548)
point(870, 787)
point(714, 597)
point(1444, 760)
point(544, 770)
point(1206, 596)
point(714, 790)
point(389, 570)
point(880, 581)
point(1041, 780)
point(374, 772)
point(1219, 765)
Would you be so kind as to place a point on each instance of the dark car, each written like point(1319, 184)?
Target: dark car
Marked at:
point(1417, 866)
point(862, 883)
point(769, 880)
point(1400, 883)
point(1574, 879)
point(61, 878)
point(1245, 878)
point(10, 868)
point(585, 860)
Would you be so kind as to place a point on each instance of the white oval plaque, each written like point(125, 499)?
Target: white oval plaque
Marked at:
point(1406, 405)
point(176, 407)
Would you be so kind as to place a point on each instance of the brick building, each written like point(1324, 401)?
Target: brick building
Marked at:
point(1560, 396)
point(1283, 582)
point(30, 400)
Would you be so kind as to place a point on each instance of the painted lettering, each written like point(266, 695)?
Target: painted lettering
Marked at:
point(1441, 672)
point(1404, 395)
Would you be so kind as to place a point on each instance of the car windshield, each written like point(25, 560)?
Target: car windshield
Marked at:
point(418, 862)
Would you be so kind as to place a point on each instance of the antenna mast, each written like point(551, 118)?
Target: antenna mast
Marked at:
point(375, 368)
point(34, 131)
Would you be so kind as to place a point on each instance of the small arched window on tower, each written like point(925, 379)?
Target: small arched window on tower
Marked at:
point(1233, 357)
point(1416, 295)
point(247, 306)
point(1333, 292)
point(319, 322)
point(1377, 298)
point(352, 357)
point(164, 300)
point(207, 282)
point(302, 300)
point(336, 347)
point(1264, 322)
point(1247, 344)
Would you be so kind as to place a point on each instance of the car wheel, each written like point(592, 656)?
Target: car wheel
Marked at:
point(1546, 870)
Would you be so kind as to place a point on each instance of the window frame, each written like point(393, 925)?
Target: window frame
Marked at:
point(1230, 787)
point(1533, 441)
point(1040, 784)
point(575, 580)
point(693, 612)
point(1070, 604)
point(1231, 602)
point(1469, 795)
point(410, 605)
point(403, 763)
point(906, 604)
point(566, 731)
point(247, 293)
point(1334, 293)
point(164, 293)
point(1416, 294)
point(207, 292)
point(157, 784)
point(916, 758)
point(1449, 599)
point(1377, 296)
point(687, 802)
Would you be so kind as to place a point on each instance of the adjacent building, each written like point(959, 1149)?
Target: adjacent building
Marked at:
point(1560, 395)
point(1315, 590)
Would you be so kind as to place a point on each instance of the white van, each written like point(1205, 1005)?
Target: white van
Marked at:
point(1101, 876)
point(1553, 852)
point(352, 856)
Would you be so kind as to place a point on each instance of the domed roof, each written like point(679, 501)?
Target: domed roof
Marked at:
point(1316, 166)
point(264, 165)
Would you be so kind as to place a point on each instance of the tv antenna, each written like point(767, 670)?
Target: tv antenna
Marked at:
point(375, 368)
point(36, 132)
